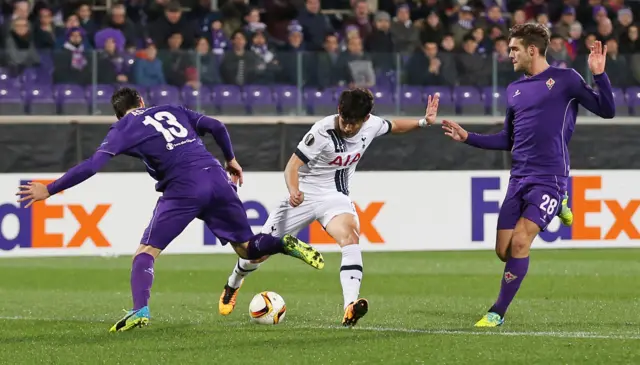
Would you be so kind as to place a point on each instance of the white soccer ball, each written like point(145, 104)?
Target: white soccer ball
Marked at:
point(267, 308)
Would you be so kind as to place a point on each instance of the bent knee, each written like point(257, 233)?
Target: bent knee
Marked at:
point(352, 238)
point(520, 243)
point(502, 253)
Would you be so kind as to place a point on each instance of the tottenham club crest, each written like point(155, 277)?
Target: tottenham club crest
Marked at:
point(309, 139)
point(550, 83)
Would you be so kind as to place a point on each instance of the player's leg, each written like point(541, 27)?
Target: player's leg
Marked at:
point(542, 204)
point(510, 213)
point(284, 220)
point(341, 222)
point(170, 218)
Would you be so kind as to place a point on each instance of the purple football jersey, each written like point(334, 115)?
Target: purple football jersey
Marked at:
point(165, 138)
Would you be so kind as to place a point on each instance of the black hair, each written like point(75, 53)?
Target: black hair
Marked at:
point(556, 36)
point(355, 105)
point(532, 34)
point(125, 99)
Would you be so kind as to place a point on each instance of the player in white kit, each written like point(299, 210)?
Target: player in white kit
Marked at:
point(317, 177)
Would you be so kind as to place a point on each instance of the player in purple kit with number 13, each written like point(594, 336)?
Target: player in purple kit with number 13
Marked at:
point(193, 185)
point(541, 115)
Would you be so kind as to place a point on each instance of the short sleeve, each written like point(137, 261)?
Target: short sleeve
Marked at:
point(383, 126)
point(311, 145)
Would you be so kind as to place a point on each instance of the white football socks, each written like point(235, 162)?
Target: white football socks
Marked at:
point(351, 273)
point(240, 271)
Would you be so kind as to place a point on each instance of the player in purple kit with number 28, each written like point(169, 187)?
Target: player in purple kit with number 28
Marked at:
point(192, 182)
point(541, 115)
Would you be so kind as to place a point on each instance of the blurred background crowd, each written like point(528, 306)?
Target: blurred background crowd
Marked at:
point(293, 46)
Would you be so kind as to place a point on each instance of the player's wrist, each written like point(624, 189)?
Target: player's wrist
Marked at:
point(422, 123)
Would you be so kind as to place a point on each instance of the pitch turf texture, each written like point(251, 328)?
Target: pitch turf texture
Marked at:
point(575, 307)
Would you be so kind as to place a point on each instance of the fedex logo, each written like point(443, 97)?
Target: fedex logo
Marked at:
point(32, 223)
point(623, 213)
point(314, 233)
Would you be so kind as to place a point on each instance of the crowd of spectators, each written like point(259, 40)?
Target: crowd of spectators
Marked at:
point(422, 42)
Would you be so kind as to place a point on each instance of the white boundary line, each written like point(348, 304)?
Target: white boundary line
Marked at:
point(470, 332)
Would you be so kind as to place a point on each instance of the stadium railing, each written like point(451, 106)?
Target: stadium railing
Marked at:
point(294, 87)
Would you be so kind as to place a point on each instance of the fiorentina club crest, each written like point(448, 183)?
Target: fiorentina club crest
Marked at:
point(508, 276)
point(550, 83)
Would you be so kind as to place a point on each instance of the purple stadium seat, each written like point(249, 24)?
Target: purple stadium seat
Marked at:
point(446, 104)
point(72, 99)
point(499, 95)
point(6, 80)
point(40, 99)
point(384, 102)
point(385, 81)
point(320, 102)
point(633, 99)
point(260, 100)
point(412, 101)
point(100, 98)
point(164, 94)
point(11, 102)
point(36, 75)
point(622, 108)
point(199, 99)
point(468, 100)
point(286, 98)
point(229, 100)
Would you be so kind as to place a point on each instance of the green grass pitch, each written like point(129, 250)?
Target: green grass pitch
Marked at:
point(575, 307)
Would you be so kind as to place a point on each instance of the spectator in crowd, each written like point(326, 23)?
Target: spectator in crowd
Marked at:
point(580, 63)
point(113, 63)
point(605, 30)
point(484, 44)
point(534, 8)
point(405, 36)
point(426, 68)
point(448, 44)
point(44, 34)
point(20, 48)
point(356, 65)
point(543, 19)
point(209, 65)
point(557, 53)
point(267, 65)
point(216, 38)
point(176, 63)
point(493, 18)
point(360, 19)
point(617, 67)
point(232, 13)
point(623, 22)
point(349, 32)
point(518, 17)
point(629, 42)
point(148, 70)
point(464, 24)
point(72, 62)
point(566, 20)
point(239, 66)
point(432, 30)
point(380, 44)
point(294, 49)
point(86, 22)
point(494, 33)
point(315, 25)
point(327, 74)
point(574, 42)
point(21, 10)
point(473, 69)
point(506, 75)
point(171, 23)
point(117, 19)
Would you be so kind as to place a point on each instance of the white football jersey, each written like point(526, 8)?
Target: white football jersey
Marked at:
point(330, 161)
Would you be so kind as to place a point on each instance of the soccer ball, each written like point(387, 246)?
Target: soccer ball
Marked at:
point(267, 308)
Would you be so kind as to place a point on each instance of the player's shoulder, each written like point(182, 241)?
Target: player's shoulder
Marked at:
point(324, 125)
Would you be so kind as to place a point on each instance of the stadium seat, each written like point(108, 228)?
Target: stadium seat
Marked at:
point(40, 99)
point(199, 100)
point(102, 95)
point(320, 102)
point(622, 108)
point(229, 100)
point(384, 102)
point(6, 80)
point(499, 95)
point(260, 100)
point(446, 105)
point(11, 102)
point(412, 101)
point(287, 99)
point(633, 100)
point(164, 94)
point(71, 99)
point(36, 75)
point(468, 100)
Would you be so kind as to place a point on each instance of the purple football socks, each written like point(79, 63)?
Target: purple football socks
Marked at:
point(141, 280)
point(514, 272)
point(262, 245)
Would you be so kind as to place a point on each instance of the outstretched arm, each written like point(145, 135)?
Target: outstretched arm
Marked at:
point(403, 125)
point(80, 172)
point(499, 141)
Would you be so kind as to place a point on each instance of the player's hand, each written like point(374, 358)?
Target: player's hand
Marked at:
point(234, 169)
point(597, 58)
point(432, 109)
point(32, 192)
point(454, 130)
point(296, 198)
